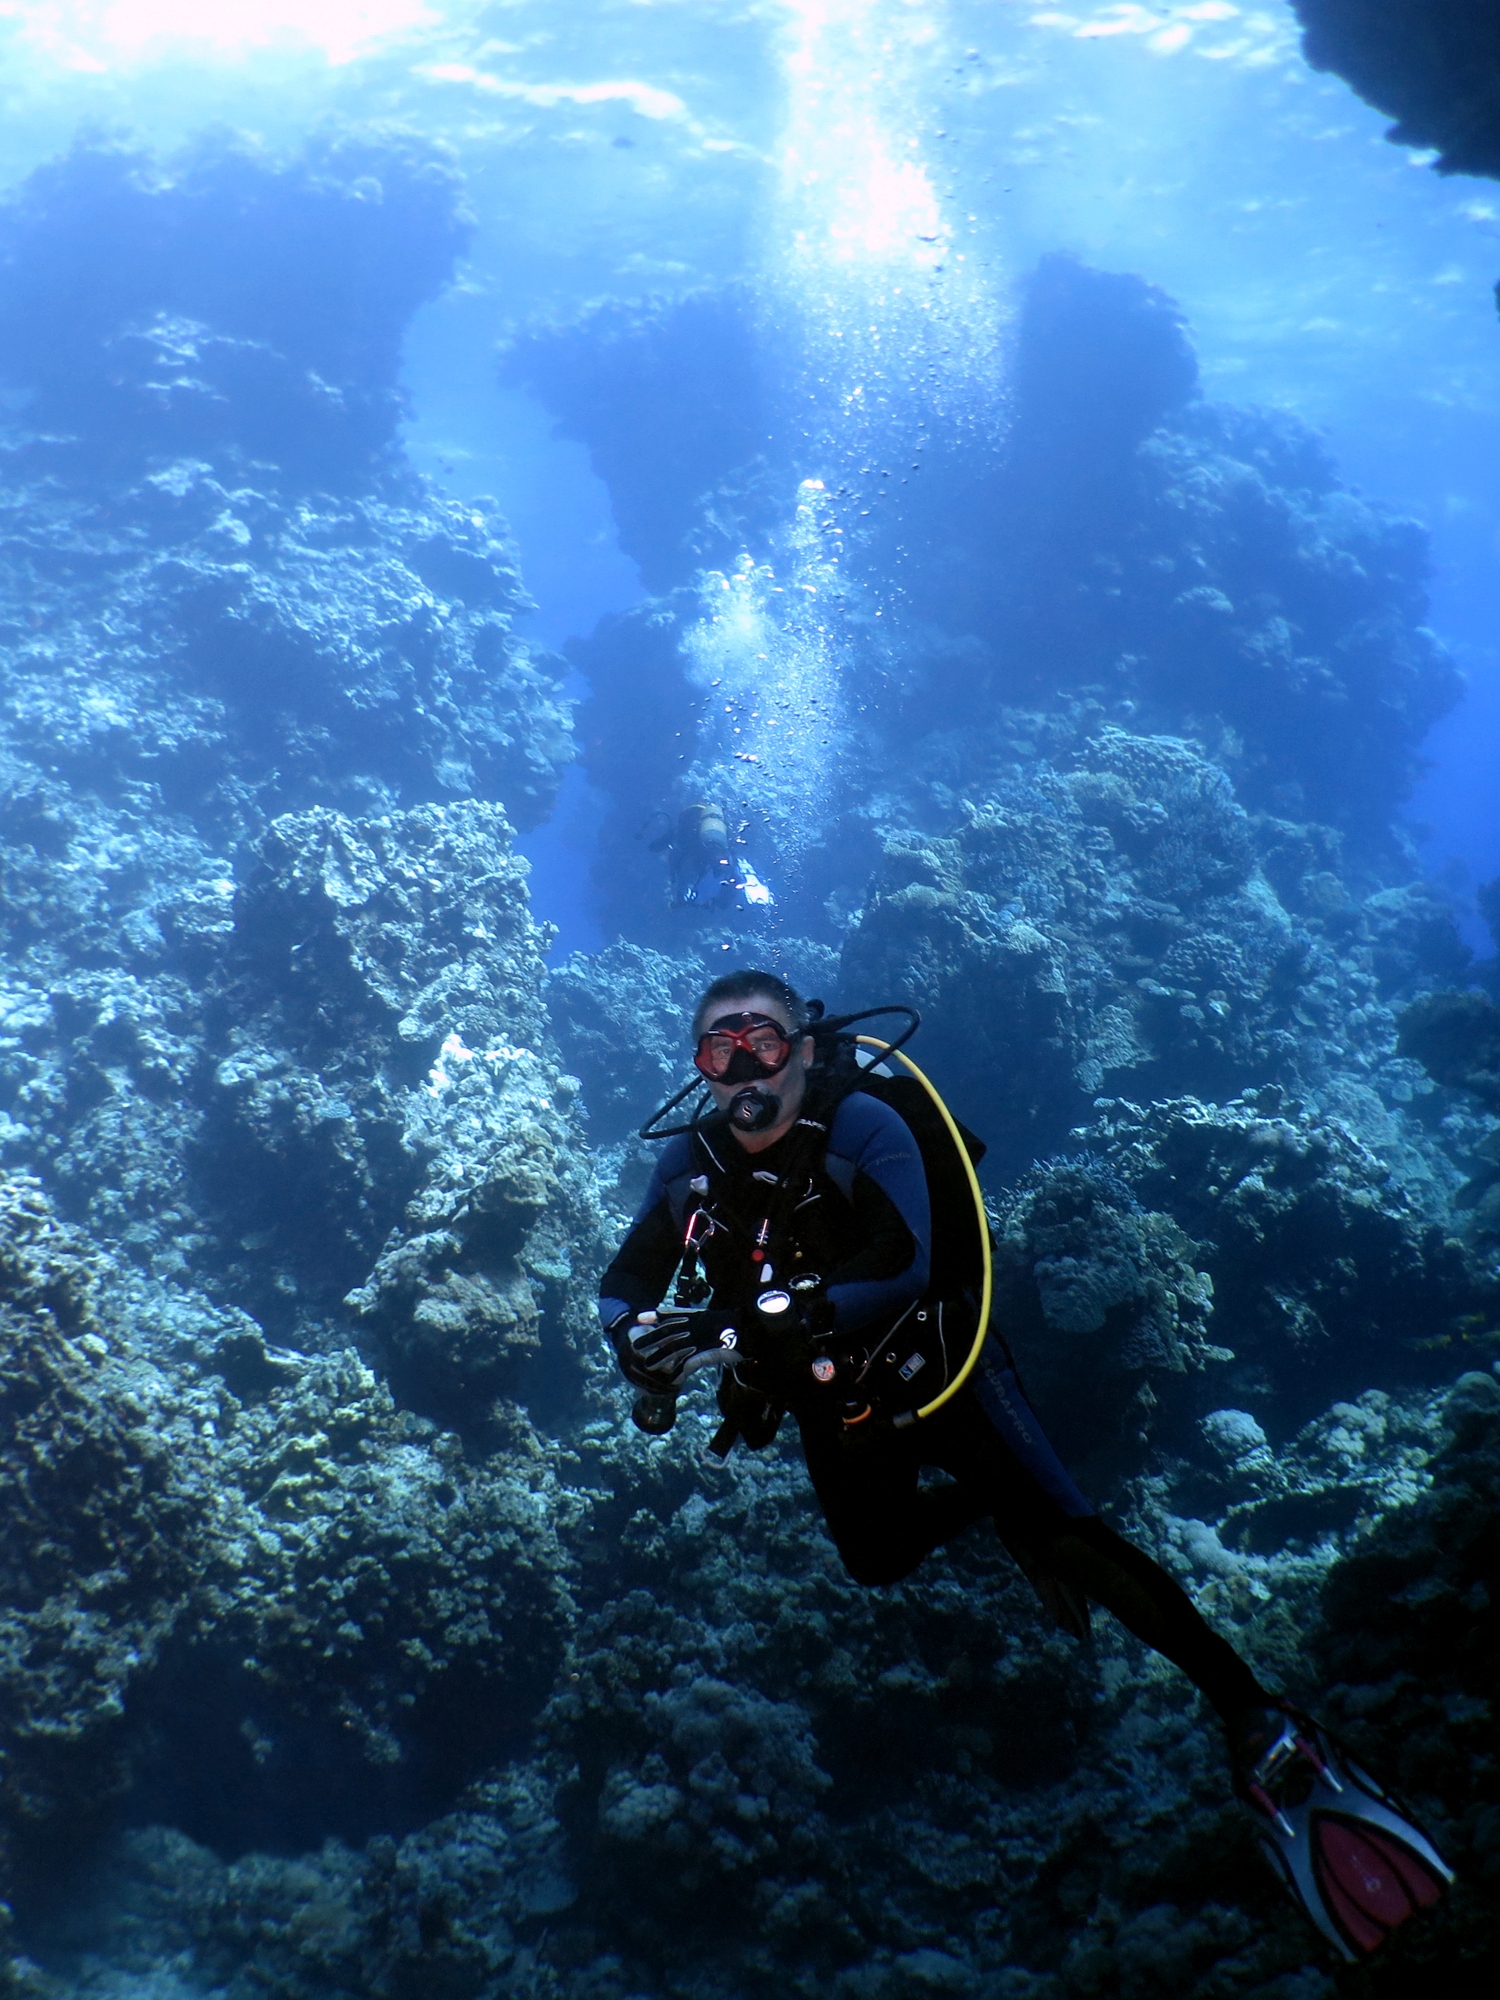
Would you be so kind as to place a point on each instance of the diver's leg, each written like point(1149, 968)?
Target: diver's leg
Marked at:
point(993, 1439)
point(881, 1521)
point(1090, 1556)
point(989, 1441)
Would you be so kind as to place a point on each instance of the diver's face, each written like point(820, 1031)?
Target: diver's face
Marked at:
point(787, 1085)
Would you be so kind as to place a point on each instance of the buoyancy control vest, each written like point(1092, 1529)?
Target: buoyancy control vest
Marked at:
point(754, 1237)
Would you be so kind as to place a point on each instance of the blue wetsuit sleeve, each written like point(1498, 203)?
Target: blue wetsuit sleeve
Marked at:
point(642, 1267)
point(888, 1192)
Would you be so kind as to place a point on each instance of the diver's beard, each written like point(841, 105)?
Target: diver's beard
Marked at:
point(753, 1110)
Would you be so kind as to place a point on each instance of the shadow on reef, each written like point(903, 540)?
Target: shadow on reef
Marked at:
point(330, 1553)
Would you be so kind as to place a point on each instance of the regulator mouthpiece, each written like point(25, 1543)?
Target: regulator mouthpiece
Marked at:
point(754, 1110)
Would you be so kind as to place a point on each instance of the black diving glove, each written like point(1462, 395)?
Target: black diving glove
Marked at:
point(658, 1351)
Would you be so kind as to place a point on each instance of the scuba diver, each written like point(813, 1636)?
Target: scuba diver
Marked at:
point(700, 868)
point(831, 1252)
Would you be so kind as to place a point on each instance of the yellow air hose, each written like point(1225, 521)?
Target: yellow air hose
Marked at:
point(981, 1215)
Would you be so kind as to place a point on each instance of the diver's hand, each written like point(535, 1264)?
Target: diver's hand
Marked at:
point(632, 1366)
point(659, 1351)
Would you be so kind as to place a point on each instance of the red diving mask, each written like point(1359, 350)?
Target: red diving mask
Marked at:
point(743, 1048)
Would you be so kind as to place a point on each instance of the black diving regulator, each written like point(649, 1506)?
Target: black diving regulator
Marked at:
point(754, 1109)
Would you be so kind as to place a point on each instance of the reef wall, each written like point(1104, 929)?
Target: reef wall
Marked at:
point(272, 1027)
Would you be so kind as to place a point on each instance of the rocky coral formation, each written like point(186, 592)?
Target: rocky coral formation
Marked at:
point(1456, 1039)
point(1411, 1637)
point(1455, 1036)
point(619, 1015)
point(220, 572)
point(439, 1908)
point(258, 683)
point(1432, 64)
point(694, 377)
point(918, 1793)
point(225, 644)
point(379, 1099)
point(248, 1591)
point(1192, 1252)
point(101, 1538)
point(200, 638)
point(303, 272)
point(375, 1618)
point(1112, 911)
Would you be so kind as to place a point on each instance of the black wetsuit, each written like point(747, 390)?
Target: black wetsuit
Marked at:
point(865, 1230)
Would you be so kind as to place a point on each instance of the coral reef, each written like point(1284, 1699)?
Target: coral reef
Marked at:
point(354, 1645)
point(376, 1618)
point(227, 300)
point(1112, 911)
point(1254, 1249)
point(102, 1532)
point(619, 1015)
point(225, 604)
point(1202, 564)
point(1432, 64)
point(689, 380)
point(258, 682)
point(1456, 1039)
point(1410, 1636)
point(225, 648)
point(243, 1587)
point(378, 1096)
point(918, 1793)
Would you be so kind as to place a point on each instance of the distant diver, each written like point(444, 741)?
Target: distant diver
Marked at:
point(701, 871)
point(831, 1251)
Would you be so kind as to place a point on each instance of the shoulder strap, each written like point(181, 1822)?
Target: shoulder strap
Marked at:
point(958, 1251)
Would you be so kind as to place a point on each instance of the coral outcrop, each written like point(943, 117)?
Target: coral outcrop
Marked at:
point(1410, 1634)
point(102, 1534)
point(221, 573)
point(1111, 910)
point(620, 1016)
point(1190, 1253)
point(689, 379)
point(376, 1617)
point(381, 1117)
point(267, 729)
point(1431, 64)
point(305, 269)
point(1456, 1038)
